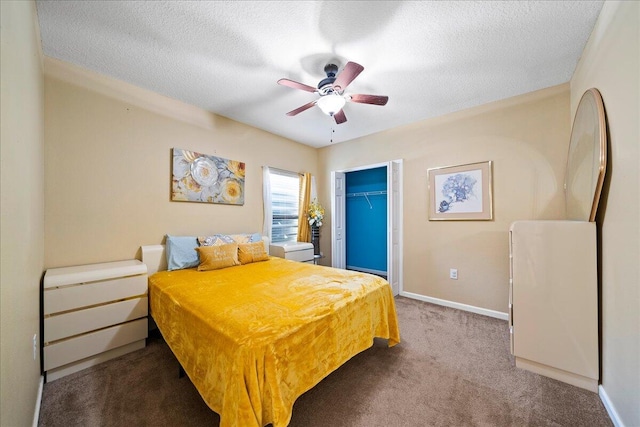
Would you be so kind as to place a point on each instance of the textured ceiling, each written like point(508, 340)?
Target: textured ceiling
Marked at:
point(430, 57)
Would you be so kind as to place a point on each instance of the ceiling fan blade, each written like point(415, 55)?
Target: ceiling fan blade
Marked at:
point(346, 76)
point(340, 117)
point(296, 85)
point(301, 109)
point(370, 99)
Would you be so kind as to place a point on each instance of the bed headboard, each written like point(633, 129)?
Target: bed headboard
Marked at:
point(155, 258)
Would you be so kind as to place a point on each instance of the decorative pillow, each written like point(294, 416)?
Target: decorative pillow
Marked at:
point(222, 239)
point(218, 256)
point(215, 240)
point(181, 252)
point(241, 238)
point(251, 252)
point(246, 238)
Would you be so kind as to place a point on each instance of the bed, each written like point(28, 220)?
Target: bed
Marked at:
point(254, 337)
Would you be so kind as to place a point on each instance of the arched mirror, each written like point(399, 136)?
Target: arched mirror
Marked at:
point(587, 158)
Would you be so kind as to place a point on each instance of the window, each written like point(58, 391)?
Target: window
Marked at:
point(285, 191)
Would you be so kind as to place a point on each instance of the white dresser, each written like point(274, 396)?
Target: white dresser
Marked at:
point(295, 251)
point(553, 300)
point(92, 313)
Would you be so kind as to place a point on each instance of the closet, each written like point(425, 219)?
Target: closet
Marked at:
point(374, 229)
point(366, 220)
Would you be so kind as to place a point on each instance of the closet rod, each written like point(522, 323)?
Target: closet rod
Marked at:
point(367, 193)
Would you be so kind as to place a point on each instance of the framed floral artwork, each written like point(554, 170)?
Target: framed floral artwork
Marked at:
point(461, 192)
point(203, 178)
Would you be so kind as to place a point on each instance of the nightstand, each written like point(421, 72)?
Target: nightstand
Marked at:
point(295, 251)
point(92, 313)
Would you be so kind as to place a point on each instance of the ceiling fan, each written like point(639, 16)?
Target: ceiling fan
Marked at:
point(332, 92)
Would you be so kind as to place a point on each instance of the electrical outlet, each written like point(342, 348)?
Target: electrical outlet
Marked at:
point(35, 346)
point(453, 273)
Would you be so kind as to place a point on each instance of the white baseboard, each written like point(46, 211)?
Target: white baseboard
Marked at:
point(36, 412)
point(459, 306)
point(611, 410)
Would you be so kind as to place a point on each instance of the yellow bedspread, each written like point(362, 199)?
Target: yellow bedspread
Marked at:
point(255, 337)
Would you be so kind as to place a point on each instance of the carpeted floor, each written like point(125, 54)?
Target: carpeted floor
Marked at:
point(452, 368)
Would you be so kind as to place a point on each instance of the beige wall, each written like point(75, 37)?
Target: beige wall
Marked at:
point(527, 139)
point(22, 207)
point(108, 166)
point(610, 63)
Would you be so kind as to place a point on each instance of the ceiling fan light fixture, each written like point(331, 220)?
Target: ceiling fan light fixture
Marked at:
point(332, 92)
point(331, 104)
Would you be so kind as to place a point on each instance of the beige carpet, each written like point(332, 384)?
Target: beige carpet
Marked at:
point(452, 368)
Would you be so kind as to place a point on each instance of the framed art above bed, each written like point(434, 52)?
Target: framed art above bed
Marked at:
point(197, 177)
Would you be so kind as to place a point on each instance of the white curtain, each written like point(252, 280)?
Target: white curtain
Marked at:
point(314, 189)
point(266, 197)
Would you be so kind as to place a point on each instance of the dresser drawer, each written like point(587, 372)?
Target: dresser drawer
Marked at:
point(303, 255)
point(87, 345)
point(79, 295)
point(78, 322)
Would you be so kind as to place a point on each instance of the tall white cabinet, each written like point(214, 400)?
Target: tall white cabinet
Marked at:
point(553, 303)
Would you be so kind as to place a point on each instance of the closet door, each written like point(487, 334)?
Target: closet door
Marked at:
point(394, 225)
point(338, 220)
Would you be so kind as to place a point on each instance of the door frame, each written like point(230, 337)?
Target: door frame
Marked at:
point(394, 219)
